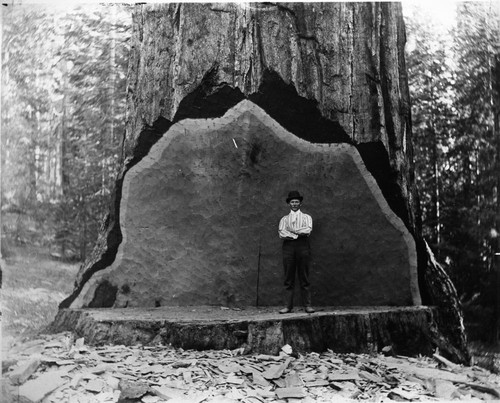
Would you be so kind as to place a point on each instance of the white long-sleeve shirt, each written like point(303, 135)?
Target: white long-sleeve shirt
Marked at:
point(294, 224)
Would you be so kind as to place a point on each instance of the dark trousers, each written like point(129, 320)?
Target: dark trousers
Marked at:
point(296, 258)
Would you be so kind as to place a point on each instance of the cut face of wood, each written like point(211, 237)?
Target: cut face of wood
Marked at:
point(199, 217)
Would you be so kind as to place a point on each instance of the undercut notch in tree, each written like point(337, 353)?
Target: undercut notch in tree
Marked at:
point(237, 108)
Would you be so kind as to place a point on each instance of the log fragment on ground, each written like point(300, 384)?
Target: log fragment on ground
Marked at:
point(36, 390)
point(23, 371)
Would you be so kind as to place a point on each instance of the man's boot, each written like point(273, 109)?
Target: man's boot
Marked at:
point(306, 300)
point(289, 302)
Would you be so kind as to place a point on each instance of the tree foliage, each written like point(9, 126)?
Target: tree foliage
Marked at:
point(63, 115)
point(454, 85)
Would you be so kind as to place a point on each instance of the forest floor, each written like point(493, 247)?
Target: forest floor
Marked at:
point(61, 368)
point(33, 285)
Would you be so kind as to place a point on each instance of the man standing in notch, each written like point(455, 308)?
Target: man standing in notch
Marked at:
point(295, 229)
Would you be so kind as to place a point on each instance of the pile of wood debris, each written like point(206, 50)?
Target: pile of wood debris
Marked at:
point(58, 368)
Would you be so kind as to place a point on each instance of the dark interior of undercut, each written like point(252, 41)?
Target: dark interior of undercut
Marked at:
point(104, 296)
point(209, 100)
point(296, 114)
point(376, 160)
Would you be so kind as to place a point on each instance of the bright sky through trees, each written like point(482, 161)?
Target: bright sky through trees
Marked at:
point(443, 13)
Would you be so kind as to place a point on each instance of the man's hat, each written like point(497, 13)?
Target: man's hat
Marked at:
point(294, 195)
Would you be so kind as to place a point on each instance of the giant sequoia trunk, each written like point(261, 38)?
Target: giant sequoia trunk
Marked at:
point(236, 91)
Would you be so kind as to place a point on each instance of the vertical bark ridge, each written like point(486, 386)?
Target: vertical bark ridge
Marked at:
point(260, 63)
point(351, 108)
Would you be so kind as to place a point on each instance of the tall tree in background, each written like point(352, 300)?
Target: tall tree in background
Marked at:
point(24, 95)
point(63, 109)
point(474, 144)
point(475, 189)
point(458, 183)
point(431, 86)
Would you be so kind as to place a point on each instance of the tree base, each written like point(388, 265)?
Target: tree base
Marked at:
point(408, 330)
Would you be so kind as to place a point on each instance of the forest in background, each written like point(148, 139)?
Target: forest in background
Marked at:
point(63, 116)
point(454, 78)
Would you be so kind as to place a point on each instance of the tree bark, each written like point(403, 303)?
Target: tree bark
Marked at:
point(347, 59)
